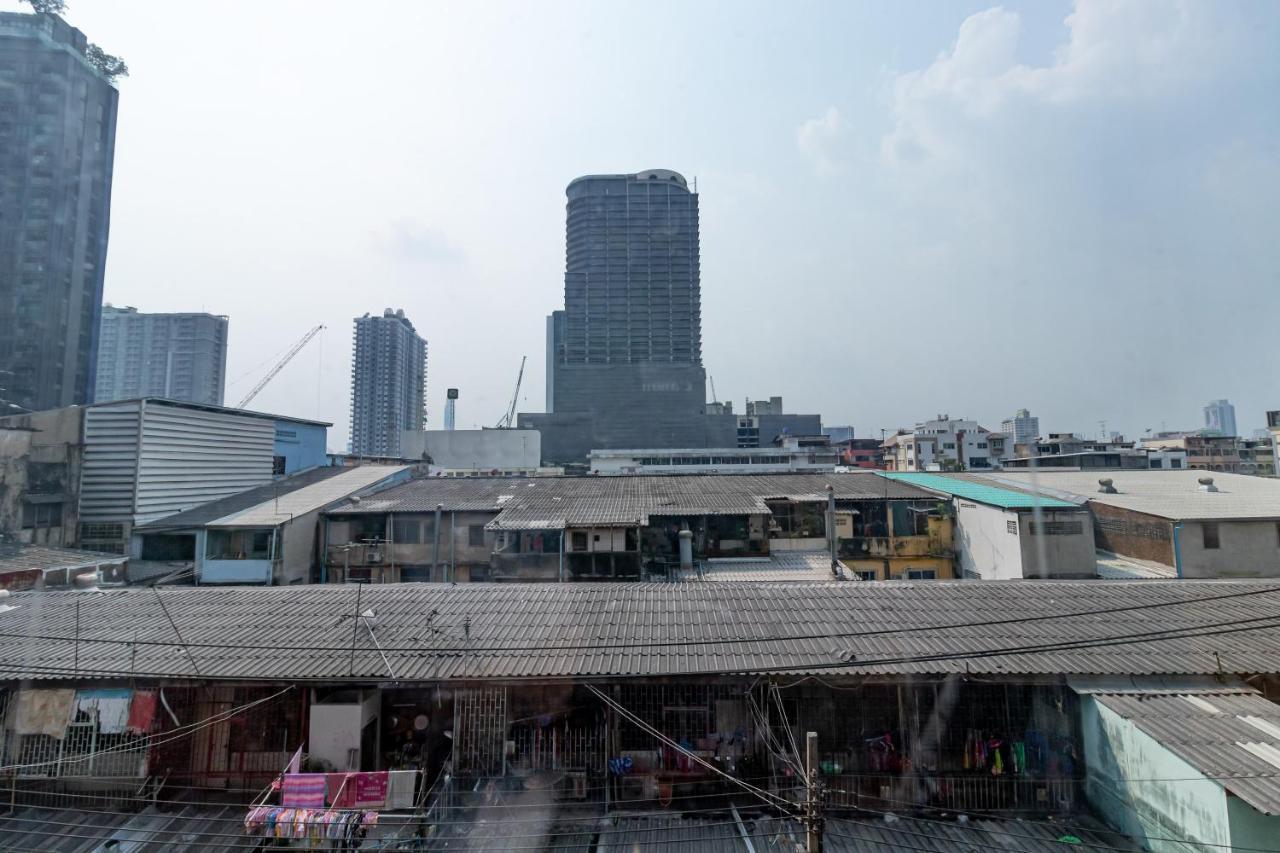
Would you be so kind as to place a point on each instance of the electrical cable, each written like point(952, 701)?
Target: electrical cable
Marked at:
point(1186, 632)
point(151, 741)
point(474, 649)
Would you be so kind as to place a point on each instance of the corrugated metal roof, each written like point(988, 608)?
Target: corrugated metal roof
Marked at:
point(780, 566)
point(188, 829)
point(17, 557)
point(204, 513)
point(505, 631)
point(984, 493)
point(309, 498)
point(554, 502)
point(1114, 567)
point(1168, 494)
point(1213, 732)
point(878, 835)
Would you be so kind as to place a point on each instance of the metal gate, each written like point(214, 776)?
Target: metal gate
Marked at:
point(480, 732)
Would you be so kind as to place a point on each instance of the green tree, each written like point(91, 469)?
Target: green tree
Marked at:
point(108, 66)
point(49, 7)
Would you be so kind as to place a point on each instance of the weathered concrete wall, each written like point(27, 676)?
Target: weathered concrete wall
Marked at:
point(475, 449)
point(986, 548)
point(41, 456)
point(1247, 549)
point(1123, 768)
point(1065, 555)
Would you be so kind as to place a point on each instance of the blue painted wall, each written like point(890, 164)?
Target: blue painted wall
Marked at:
point(301, 445)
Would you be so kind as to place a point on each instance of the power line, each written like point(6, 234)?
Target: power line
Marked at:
point(682, 643)
point(1185, 632)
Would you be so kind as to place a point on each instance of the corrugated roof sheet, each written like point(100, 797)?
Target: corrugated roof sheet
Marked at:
point(984, 493)
point(620, 630)
point(1114, 567)
point(1213, 732)
point(1168, 494)
point(17, 557)
point(278, 510)
point(779, 566)
point(548, 503)
point(201, 515)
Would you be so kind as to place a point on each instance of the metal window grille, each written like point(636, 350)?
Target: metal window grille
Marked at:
point(480, 731)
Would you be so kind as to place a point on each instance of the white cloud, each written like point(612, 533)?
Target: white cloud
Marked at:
point(821, 140)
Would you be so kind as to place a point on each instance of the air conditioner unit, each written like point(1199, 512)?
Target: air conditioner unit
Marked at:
point(373, 555)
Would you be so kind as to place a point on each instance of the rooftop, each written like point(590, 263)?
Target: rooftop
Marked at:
point(19, 557)
point(475, 631)
point(183, 404)
point(984, 493)
point(1230, 735)
point(779, 566)
point(1174, 495)
point(551, 503)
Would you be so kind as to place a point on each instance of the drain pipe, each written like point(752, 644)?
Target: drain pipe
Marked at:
point(831, 530)
point(435, 544)
point(1177, 548)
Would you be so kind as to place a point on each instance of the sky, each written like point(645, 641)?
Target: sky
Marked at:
point(908, 208)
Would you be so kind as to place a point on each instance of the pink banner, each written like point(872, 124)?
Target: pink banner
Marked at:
point(371, 790)
point(303, 791)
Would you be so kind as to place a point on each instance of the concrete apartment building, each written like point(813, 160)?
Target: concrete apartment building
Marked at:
point(57, 149)
point(1205, 451)
point(1220, 418)
point(945, 444)
point(1022, 428)
point(388, 383)
point(624, 357)
point(175, 356)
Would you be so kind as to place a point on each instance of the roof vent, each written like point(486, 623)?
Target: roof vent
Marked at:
point(1206, 484)
point(355, 499)
point(1105, 486)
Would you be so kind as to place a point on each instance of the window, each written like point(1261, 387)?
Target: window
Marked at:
point(41, 515)
point(277, 465)
point(866, 576)
point(475, 535)
point(1011, 526)
point(1057, 528)
point(579, 541)
point(1277, 528)
point(1210, 532)
point(1175, 463)
point(1157, 463)
point(921, 574)
point(406, 531)
point(949, 445)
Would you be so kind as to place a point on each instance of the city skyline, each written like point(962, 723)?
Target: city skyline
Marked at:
point(867, 169)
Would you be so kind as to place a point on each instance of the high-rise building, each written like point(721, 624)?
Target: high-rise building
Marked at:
point(176, 356)
point(1022, 428)
point(57, 146)
point(388, 383)
point(624, 357)
point(1220, 417)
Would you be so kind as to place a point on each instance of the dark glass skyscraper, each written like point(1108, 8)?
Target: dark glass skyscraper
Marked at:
point(57, 145)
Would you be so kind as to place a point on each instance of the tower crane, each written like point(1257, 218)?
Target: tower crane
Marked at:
point(509, 419)
point(280, 365)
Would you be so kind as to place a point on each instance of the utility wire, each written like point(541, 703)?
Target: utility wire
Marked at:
point(985, 624)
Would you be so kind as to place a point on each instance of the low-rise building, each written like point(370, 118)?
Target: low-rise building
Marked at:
point(1201, 525)
point(264, 535)
point(1002, 533)
point(863, 453)
point(787, 455)
point(472, 452)
point(1207, 451)
point(945, 444)
point(623, 712)
point(85, 476)
point(628, 527)
point(24, 566)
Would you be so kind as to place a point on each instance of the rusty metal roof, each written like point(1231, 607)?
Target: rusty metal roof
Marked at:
point(1231, 736)
point(625, 630)
point(550, 503)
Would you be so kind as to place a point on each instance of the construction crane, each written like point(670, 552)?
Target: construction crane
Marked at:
point(509, 419)
point(280, 365)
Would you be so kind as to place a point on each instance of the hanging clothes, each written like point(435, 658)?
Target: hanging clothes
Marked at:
point(401, 788)
point(1019, 757)
point(142, 712)
point(304, 790)
point(110, 708)
point(44, 712)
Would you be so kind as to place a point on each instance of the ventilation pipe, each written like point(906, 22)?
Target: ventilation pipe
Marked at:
point(686, 551)
point(1105, 486)
point(1206, 485)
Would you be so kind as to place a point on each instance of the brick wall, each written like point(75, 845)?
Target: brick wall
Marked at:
point(1133, 534)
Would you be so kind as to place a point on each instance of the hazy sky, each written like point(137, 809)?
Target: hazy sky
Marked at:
point(907, 208)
